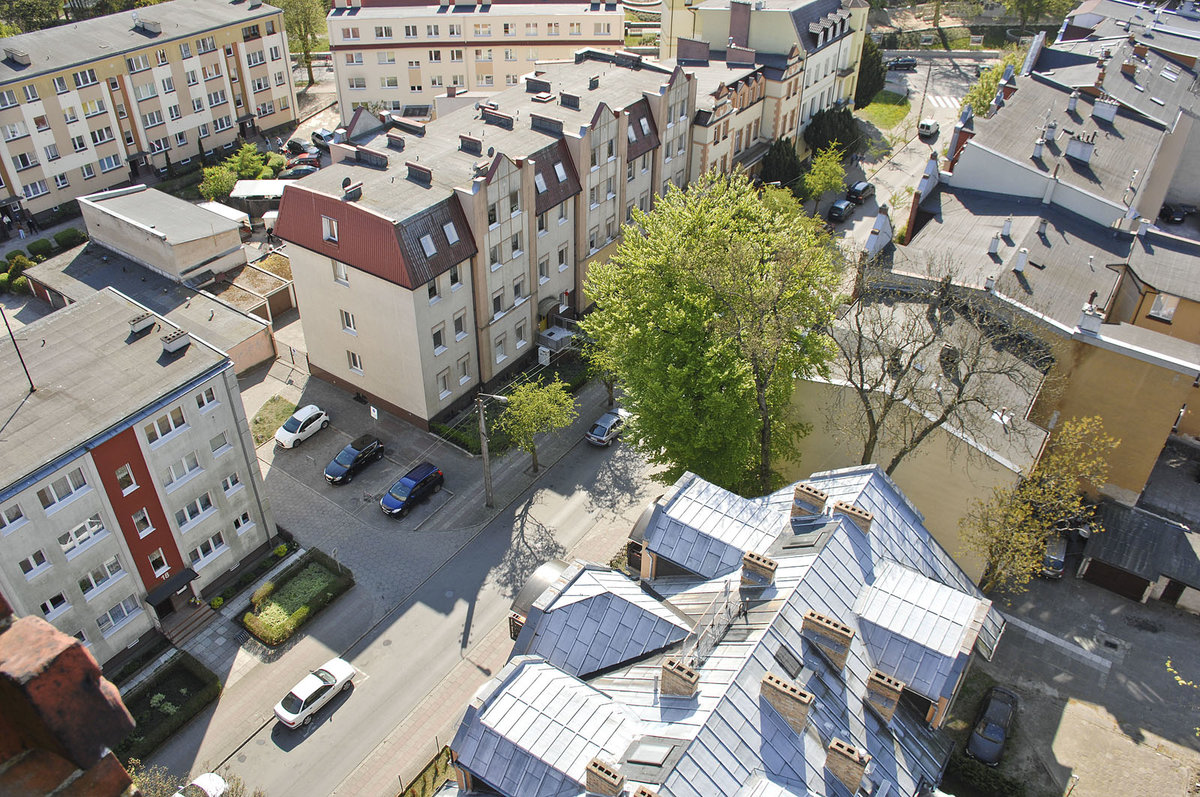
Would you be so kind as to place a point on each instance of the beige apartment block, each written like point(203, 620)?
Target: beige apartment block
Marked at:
point(99, 103)
point(398, 56)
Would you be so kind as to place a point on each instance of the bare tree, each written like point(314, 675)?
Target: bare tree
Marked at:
point(916, 362)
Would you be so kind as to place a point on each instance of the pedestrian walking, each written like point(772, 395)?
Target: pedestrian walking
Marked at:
point(21, 233)
point(7, 222)
point(33, 225)
point(270, 236)
point(279, 143)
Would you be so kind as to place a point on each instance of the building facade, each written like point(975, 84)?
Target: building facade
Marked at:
point(101, 102)
point(397, 55)
point(131, 485)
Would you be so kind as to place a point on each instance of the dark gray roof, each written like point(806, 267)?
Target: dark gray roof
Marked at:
point(1158, 26)
point(91, 375)
point(1167, 263)
point(77, 43)
point(176, 218)
point(1146, 544)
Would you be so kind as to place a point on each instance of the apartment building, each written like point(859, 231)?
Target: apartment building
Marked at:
point(397, 55)
point(91, 105)
point(427, 257)
point(129, 482)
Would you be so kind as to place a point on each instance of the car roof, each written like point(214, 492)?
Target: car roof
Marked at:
point(420, 471)
point(309, 684)
point(307, 411)
point(841, 203)
point(362, 441)
point(860, 184)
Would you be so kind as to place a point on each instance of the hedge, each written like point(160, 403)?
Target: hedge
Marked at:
point(42, 246)
point(154, 724)
point(9, 257)
point(69, 238)
point(249, 575)
point(19, 285)
point(278, 634)
point(981, 778)
point(150, 651)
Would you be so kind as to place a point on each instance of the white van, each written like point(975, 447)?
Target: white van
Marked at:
point(927, 128)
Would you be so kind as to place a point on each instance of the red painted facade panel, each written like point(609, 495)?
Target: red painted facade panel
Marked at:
point(124, 449)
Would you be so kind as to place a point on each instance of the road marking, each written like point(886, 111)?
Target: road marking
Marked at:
point(1101, 663)
point(943, 101)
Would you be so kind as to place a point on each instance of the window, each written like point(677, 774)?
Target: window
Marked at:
point(86, 532)
point(275, 54)
point(280, 79)
point(544, 270)
point(88, 171)
point(341, 273)
point(455, 29)
point(220, 443)
point(431, 30)
point(541, 223)
point(173, 112)
point(593, 197)
point(108, 163)
point(213, 546)
point(387, 57)
point(202, 132)
point(62, 488)
point(211, 71)
point(385, 31)
point(439, 338)
point(354, 59)
point(223, 123)
point(35, 189)
point(41, 123)
point(152, 119)
point(53, 607)
point(413, 64)
point(455, 278)
point(594, 239)
point(145, 91)
point(164, 425)
point(483, 54)
point(595, 161)
point(11, 517)
point(562, 258)
point(193, 510)
point(102, 135)
point(443, 383)
point(158, 563)
point(348, 321)
point(100, 577)
point(576, 28)
point(34, 563)
point(357, 83)
point(510, 29)
point(518, 290)
point(260, 84)
point(552, 28)
point(15, 130)
point(1164, 307)
point(206, 45)
point(329, 229)
point(498, 303)
point(460, 325)
point(180, 469)
point(483, 29)
point(350, 34)
point(191, 77)
point(389, 82)
point(141, 522)
point(265, 108)
point(494, 256)
point(25, 160)
point(603, 28)
point(125, 480)
point(456, 55)
point(31, 93)
point(516, 244)
point(610, 228)
point(61, 181)
point(354, 361)
point(242, 523)
point(433, 290)
point(60, 85)
point(230, 483)
point(185, 50)
point(118, 615)
point(256, 58)
point(458, 80)
point(52, 152)
point(464, 369)
point(168, 85)
point(501, 354)
point(522, 326)
point(530, 28)
point(610, 188)
point(87, 77)
point(69, 114)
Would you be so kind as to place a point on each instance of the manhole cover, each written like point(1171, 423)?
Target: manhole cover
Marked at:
point(1142, 624)
point(1108, 643)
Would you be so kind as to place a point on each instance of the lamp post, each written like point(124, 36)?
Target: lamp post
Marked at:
point(489, 499)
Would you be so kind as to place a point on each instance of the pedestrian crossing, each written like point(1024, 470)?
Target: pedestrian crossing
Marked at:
point(942, 101)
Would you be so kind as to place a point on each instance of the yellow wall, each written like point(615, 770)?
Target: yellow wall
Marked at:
point(1184, 323)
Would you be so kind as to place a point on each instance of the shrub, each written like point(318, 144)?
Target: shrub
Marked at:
point(14, 254)
point(17, 265)
point(69, 238)
point(262, 593)
point(19, 285)
point(275, 162)
point(281, 550)
point(42, 246)
point(4, 282)
point(217, 602)
point(306, 587)
point(981, 778)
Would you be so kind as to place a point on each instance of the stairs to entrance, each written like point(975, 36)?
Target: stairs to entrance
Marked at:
point(183, 625)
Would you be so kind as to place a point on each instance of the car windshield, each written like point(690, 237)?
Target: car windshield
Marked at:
point(346, 458)
point(400, 490)
point(291, 704)
point(599, 430)
point(292, 424)
point(990, 731)
point(325, 676)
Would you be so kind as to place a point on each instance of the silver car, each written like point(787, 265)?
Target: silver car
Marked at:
point(607, 428)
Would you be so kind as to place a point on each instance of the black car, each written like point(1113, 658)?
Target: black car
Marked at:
point(296, 173)
point(413, 487)
point(904, 63)
point(298, 146)
point(993, 726)
point(860, 192)
point(841, 210)
point(361, 452)
point(1172, 214)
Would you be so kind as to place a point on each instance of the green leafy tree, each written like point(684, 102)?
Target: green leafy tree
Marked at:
point(534, 408)
point(29, 15)
point(275, 162)
point(247, 163)
point(305, 23)
point(872, 74)
point(158, 781)
point(1011, 528)
point(1029, 11)
point(824, 175)
point(600, 366)
point(706, 313)
point(834, 127)
point(8, 29)
point(980, 95)
point(218, 183)
point(781, 164)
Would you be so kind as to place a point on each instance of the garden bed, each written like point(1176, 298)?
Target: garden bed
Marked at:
point(164, 704)
point(253, 573)
point(281, 606)
point(436, 772)
point(269, 418)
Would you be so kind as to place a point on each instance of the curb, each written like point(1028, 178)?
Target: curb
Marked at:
point(977, 54)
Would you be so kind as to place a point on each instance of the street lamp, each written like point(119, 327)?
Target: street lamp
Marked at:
point(483, 445)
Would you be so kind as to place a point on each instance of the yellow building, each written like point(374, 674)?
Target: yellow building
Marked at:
point(94, 104)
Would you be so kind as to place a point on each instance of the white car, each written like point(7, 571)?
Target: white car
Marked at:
point(304, 423)
point(317, 689)
point(206, 785)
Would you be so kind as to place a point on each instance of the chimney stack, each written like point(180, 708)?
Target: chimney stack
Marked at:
point(989, 282)
point(1007, 229)
point(1042, 227)
point(642, 791)
point(758, 570)
point(1022, 259)
point(1072, 101)
point(1128, 67)
point(175, 341)
point(603, 778)
point(829, 635)
point(808, 501)
point(1080, 147)
point(1143, 225)
point(1090, 320)
point(792, 702)
point(847, 763)
point(1105, 109)
point(883, 694)
point(861, 517)
point(678, 679)
point(1051, 129)
point(1140, 50)
point(994, 245)
point(1038, 147)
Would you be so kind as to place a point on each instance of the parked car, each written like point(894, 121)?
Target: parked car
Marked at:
point(324, 137)
point(209, 784)
point(296, 173)
point(841, 210)
point(607, 428)
point(315, 690)
point(860, 192)
point(304, 423)
point(1171, 214)
point(1054, 560)
point(905, 63)
point(927, 128)
point(361, 452)
point(410, 489)
point(304, 159)
point(993, 726)
point(298, 146)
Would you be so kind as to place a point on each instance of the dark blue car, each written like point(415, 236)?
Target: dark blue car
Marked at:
point(413, 487)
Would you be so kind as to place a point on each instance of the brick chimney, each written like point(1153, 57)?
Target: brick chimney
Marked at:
point(643, 791)
point(883, 694)
point(1128, 68)
point(1140, 50)
point(832, 637)
point(603, 778)
point(678, 678)
point(792, 702)
point(847, 763)
point(808, 500)
point(758, 570)
point(1080, 147)
point(861, 517)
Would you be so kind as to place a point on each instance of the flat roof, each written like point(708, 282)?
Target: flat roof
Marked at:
point(91, 374)
point(92, 267)
point(479, 12)
point(79, 43)
point(177, 219)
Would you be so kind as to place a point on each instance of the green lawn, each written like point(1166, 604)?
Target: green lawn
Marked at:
point(296, 592)
point(887, 109)
point(269, 418)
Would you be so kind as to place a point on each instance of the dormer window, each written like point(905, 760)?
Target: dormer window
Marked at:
point(540, 182)
point(427, 245)
point(645, 126)
point(560, 171)
point(329, 229)
point(451, 232)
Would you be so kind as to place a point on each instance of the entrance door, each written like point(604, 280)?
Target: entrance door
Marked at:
point(165, 609)
point(1173, 592)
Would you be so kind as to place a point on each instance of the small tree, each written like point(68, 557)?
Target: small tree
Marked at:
point(534, 408)
point(781, 165)
point(304, 21)
point(824, 175)
point(218, 183)
point(980, 95)
point(872, 74)
point(29, 15)
point(834, 126)
point(247, 163)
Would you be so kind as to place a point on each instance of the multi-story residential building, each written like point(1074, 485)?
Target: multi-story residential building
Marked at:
point(91, 105)
point(427, 256)
point(397, 55)
point(129, 481)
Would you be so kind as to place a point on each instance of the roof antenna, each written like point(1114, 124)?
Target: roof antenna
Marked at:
point(8, 326)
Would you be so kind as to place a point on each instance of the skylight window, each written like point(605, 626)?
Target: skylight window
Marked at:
point(427, 245)
point(451, 232)
point(560, 171)
point(540, 182)
point(1169, 75)
point(645, 126)
point(631, 134)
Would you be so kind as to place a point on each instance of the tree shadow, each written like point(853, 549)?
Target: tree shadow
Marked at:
point(532, 544)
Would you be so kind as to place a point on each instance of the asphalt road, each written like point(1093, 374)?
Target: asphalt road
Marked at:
point(433, 631)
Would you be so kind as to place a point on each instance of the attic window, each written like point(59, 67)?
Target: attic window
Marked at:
point(631, 134)
point(427, 245)
point(451, 232)
point(560, 171)
point(650, 753)
point(645, 126)
point(1164, 307)
point(540, 182)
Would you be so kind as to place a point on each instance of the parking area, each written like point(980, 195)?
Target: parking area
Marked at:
point(1101, 713)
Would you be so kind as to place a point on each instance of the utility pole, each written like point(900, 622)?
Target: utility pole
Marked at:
point(489, 498)
point(18, 348)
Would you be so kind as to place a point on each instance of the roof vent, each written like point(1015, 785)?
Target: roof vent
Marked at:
point(352, 192)
point(758, 570)
point(569, 100)
point(1039, 147)
point(1022, 260)
point(603, 778)
point(494, 117)
point(1072, 101)
point(470, 144)
point(989, 282)
point(1006, 230)
point(543, 96)
point(536, 85)
point(140, 323)
point(1081, 147)
point(149, 25)
point(17, 56)
point(678, 678)
point(861, 517)
point(1042, 225)
point(994, 244)
point(395, 142)
point(419, 174)
point(593, 82)
point(792, 702)
point(255, 3)
point(808, 500)
point(832, 637)
point(883, 694)
point(847, 763)
point(175, 341)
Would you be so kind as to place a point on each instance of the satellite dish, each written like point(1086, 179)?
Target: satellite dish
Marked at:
point(135, 18)
point(491, 151)
point(477, 106)
point(346, 183)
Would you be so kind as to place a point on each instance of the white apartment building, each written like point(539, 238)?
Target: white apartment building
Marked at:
point(98, 103)
point(398, 56)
